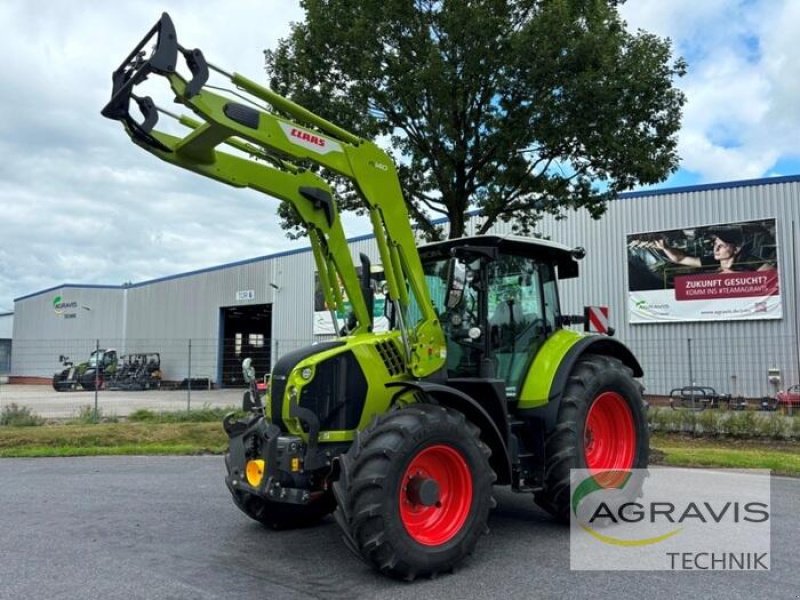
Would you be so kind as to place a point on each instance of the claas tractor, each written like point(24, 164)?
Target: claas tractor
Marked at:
point(401, 434)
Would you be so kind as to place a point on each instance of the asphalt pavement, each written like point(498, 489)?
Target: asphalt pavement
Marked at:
point(165, 528)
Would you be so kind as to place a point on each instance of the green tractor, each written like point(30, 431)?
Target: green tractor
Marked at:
point(401, 433)
point(88, 375)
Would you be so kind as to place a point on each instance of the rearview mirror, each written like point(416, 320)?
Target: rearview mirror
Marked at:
point(457, 281)
point(248, 370)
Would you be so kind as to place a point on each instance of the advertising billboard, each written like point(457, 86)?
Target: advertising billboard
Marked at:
point(725, 272)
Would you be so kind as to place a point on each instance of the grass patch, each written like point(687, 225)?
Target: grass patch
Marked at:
point(113, 439)
point(783, 458)
point(200, 432)
point(201, 415)
point(87, 416)
point(19, 416)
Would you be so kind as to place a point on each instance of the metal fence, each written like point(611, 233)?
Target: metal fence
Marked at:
point(52, 379)
point(206, 372)
point(745, 367)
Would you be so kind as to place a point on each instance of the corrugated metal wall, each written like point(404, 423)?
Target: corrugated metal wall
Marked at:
point(165, 315)
point(41, 334)
point(733, 356)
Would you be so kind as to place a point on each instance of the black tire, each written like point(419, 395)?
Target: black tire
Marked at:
point(593, 377)
point(374, 473)
point(59, 383)
point(88, 381)
point(280, 515)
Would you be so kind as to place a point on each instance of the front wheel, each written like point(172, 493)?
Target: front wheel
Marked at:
point(59, 382)
point(601, 426)
point(415, 491)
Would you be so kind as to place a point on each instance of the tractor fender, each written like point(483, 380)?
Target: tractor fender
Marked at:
point(587, 344)
point(491, 435)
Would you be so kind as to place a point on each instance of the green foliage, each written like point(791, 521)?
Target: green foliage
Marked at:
point(142, 415)
point(206, 414)
point(517, 107)
point(687, 421)
point(741, 424)
point(659, 420)
point(86, 416)
point(19, 416)
point(774, 426)
point(717, 423)
point(708, 422)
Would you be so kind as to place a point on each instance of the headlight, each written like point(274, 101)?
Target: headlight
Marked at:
point(307, 373)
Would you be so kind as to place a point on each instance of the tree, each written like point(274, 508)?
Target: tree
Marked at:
point(517, 108)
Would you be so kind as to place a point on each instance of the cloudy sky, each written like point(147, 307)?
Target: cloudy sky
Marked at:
point(80, 204)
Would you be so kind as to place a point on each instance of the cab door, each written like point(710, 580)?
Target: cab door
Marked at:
point(522, 304)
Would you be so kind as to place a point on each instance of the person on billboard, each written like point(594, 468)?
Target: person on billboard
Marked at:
point(728, 257)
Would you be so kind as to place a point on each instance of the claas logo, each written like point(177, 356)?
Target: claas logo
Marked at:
point(307, 137)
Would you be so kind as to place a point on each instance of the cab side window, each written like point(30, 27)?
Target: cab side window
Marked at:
point(517, 315)
point(550, 288)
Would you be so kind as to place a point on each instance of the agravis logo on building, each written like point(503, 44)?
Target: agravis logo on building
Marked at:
point(60, 306)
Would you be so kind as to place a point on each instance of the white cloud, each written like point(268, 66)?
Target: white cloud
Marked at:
point(742, 113)
point(78, 202)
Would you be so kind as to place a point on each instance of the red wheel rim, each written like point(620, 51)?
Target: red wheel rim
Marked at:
point(432, 525)
point(609, 436)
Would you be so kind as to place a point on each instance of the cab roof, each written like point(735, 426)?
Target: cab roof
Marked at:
point(543, 250)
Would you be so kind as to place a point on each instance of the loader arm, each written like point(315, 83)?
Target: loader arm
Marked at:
point(309, 195)
point(273, 142)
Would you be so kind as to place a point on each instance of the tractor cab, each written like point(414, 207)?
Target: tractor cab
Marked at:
point(104, 357)
point(497, 300)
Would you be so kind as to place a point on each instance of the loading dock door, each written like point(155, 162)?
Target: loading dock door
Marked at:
point(246, 331)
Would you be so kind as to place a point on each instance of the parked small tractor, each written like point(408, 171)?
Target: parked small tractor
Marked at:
point(401, 434)
point(87, 375)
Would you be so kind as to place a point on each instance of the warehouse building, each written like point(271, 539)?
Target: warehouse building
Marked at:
point(657, 260)
point(6, 332)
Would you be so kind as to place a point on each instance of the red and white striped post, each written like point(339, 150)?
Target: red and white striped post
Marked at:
point(596, 319)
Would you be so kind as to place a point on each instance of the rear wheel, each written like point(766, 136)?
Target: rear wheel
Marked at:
point(89, 381)
point(415, 491)
point(601, 426)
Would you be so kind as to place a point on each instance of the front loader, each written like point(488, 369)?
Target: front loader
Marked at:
point(403, 433)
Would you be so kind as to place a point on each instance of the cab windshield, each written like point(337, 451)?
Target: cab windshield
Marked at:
point(95, 356)
point(493, 311)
